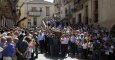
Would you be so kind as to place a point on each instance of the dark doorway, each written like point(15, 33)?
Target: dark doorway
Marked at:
point(96, 11)
point(86, 18)
point(35, 21)
point(79, 18)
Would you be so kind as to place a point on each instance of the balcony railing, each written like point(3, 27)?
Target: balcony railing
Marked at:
point(80, 1)
point(34, 13)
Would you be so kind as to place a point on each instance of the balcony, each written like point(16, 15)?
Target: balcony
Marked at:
point(11, 2)
point(78, 5)
point(73, 9)
point(66, 1)
point(68, 14)
point(34, 14)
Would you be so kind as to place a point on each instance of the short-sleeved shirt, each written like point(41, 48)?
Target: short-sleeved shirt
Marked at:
point(9, 50)
point(22, 46)
point(73, 39)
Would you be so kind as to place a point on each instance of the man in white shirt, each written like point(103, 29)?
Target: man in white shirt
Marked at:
point(41, 41)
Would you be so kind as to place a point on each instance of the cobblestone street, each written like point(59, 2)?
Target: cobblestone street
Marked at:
point(42, 57)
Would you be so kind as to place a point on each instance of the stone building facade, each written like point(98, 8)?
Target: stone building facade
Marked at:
point(33, 12)
point(89, 12)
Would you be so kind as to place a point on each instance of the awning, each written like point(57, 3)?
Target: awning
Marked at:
point(21, 20)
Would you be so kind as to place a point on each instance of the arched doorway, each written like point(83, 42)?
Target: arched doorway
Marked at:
point(112, 31)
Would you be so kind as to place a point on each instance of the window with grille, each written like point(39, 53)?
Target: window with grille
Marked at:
point(34, 9)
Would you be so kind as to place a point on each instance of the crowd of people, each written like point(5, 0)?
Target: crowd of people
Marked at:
point(55, 22)
point(82, 42)
point(16, 44)
point(86, 41)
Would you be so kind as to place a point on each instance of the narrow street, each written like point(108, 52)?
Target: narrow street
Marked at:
point(57, 30)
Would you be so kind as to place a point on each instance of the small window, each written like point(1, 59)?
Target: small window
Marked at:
point(47, 11)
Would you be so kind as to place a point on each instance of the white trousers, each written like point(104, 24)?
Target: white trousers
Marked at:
point(7, 58)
